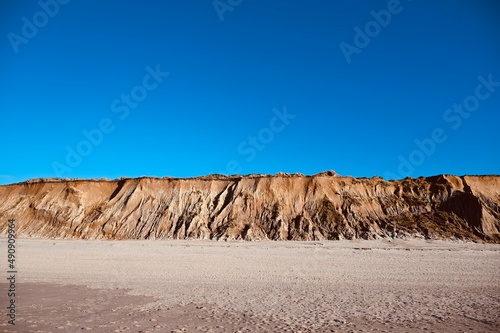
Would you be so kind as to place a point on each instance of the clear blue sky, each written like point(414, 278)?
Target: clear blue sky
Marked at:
point(252, 87)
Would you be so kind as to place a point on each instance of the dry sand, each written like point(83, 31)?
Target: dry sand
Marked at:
point(208, 286)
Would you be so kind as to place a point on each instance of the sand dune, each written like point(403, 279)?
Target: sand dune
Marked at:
point(256, 207)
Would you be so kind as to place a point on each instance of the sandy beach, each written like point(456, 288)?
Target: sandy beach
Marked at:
point(209, 286)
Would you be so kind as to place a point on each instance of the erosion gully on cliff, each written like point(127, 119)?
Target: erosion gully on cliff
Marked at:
point(253, 207)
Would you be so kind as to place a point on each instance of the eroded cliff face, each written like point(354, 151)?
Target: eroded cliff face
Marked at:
point(282, 207)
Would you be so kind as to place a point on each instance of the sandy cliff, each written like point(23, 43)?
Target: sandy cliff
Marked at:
point(282, 207)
